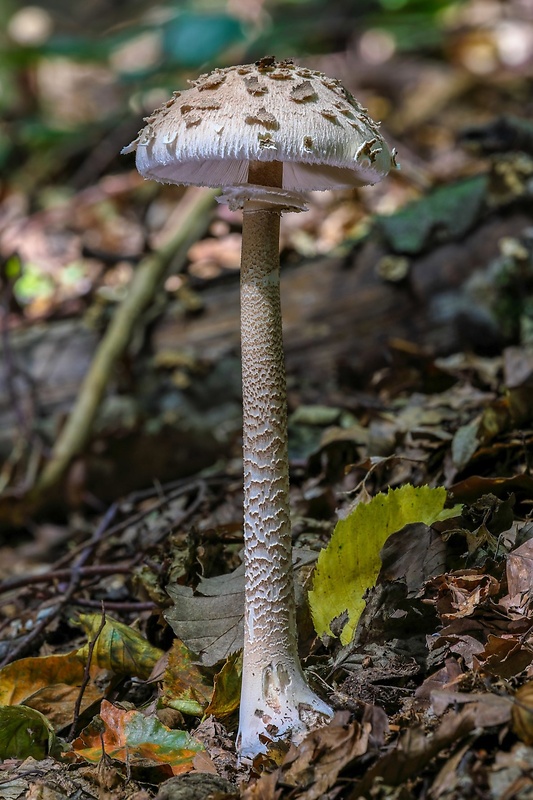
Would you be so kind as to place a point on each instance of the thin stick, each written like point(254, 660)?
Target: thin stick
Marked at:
point(147, 277)
point(86, 676)
point(70, 592)
point(63, 574)
point(139, 516)
point(117, 605)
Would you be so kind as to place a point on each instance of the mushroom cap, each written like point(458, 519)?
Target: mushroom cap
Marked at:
point(268, 111)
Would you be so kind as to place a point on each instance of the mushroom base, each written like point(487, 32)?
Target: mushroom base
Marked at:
point(276, 702)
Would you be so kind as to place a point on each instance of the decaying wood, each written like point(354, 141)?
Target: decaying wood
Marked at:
point(340, 314)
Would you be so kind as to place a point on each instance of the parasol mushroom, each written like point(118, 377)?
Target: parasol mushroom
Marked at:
point(265, 132)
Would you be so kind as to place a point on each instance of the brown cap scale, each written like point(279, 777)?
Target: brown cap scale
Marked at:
point(265, 132)
point(270, 111)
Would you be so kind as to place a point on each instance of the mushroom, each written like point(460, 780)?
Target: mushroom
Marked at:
point(265, 132)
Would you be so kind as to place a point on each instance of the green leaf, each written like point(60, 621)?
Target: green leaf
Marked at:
point(184, 686)
point(119, 647)
point(25, 732)
point(131, 736)
point(445, 213)
point(32, 283)
point(351, 562)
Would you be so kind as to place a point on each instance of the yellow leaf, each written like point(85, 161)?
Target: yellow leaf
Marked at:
point(351, 562)
point(184, 685)
point(227, 693)
point(49, 684)
point(119, 647)
point(21, 679)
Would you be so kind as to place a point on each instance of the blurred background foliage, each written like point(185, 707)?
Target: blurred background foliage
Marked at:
point(69, 72)
point(77, 78)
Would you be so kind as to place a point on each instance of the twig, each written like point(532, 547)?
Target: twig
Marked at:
point(86, 676)
point(36, 631)
point(71, 589)
point(147, 277)
point(89, 548)
point(116, 605)
point(63, 574)
point(133, 520)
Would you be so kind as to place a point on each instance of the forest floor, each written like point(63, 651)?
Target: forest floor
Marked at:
point(409, 337)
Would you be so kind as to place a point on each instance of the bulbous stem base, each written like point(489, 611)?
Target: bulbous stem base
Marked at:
point(276, 703)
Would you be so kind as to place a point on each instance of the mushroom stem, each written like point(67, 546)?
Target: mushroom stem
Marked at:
point(276, 700)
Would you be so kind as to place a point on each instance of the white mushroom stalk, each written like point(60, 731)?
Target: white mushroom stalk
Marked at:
point(265, 132)
point(275, 699)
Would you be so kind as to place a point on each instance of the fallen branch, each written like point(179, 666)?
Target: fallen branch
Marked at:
point(148, 275)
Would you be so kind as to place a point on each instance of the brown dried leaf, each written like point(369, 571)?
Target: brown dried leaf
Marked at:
point(458, 594)
point(522, 713)
point(474, 487)
point(413, 752)
point(314, 766)
point(438, 681)
point(323, 754)
point(489, 709)
point(519, 579)
point(504, 656)
point(416, 553)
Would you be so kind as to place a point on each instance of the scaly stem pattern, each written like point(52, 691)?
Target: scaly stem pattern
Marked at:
point(275, 698)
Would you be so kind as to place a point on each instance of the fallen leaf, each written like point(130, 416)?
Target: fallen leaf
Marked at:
point(465, 442)
point(351, 562)
point(438, 681)
point(25, 732)
point(58, 701)
point(445, 213)
point(413, 752)
point(322, 755)
point(210, 626)
point(118, 647)
point(458, 594)
point(414, 555)
point(504, 657)
point(489, 709)
point(473, 488)
point(313, 767)
point(227, 692)
point(451, 777)
point(24, 677)
point(518, 366)
point(130, 736)
point(49, 684)
point(184, 686)
point(519, 571)
point(522, 714)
